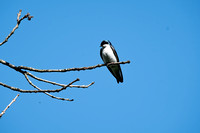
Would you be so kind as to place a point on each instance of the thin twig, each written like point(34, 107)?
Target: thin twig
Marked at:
point(43, 80)
point(55, 83)
point(81, 86)
point(59, 98)
point(3, 112)
point(18, 15)
point(17, 25)
point(37, 91)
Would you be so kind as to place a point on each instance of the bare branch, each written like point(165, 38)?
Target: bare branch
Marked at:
point(40, 79)
point(59, 98)
point(3, 112)
point(18, 22)
point(18, 15)
point(81, 86)
point(70, 69)
point(37, 91)
point(43, 80)
point(26, 74)
point(19, 68)
point(55, 83)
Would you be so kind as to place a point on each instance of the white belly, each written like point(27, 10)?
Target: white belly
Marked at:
point(108, 55)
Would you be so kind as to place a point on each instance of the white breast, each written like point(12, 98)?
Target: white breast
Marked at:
point(108, 55)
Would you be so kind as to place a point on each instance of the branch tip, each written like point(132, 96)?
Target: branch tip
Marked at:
point(29, 17)
point(17, 25)
point(3, 112)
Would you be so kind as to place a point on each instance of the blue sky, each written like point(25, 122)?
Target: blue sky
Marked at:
point(160, 93)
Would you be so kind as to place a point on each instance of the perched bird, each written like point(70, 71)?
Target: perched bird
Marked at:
point(108, 55)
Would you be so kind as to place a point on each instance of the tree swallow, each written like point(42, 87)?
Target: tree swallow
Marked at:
point(108, 55)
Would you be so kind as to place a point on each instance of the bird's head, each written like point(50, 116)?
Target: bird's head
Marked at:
point(104, 43)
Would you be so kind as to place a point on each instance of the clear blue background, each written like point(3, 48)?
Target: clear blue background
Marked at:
point(161, 89)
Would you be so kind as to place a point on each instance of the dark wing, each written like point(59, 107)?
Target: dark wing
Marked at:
point(101, 53)
point(115, 53)
point(118, 75)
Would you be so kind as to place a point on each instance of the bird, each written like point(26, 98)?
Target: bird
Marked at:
point(108, 55)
